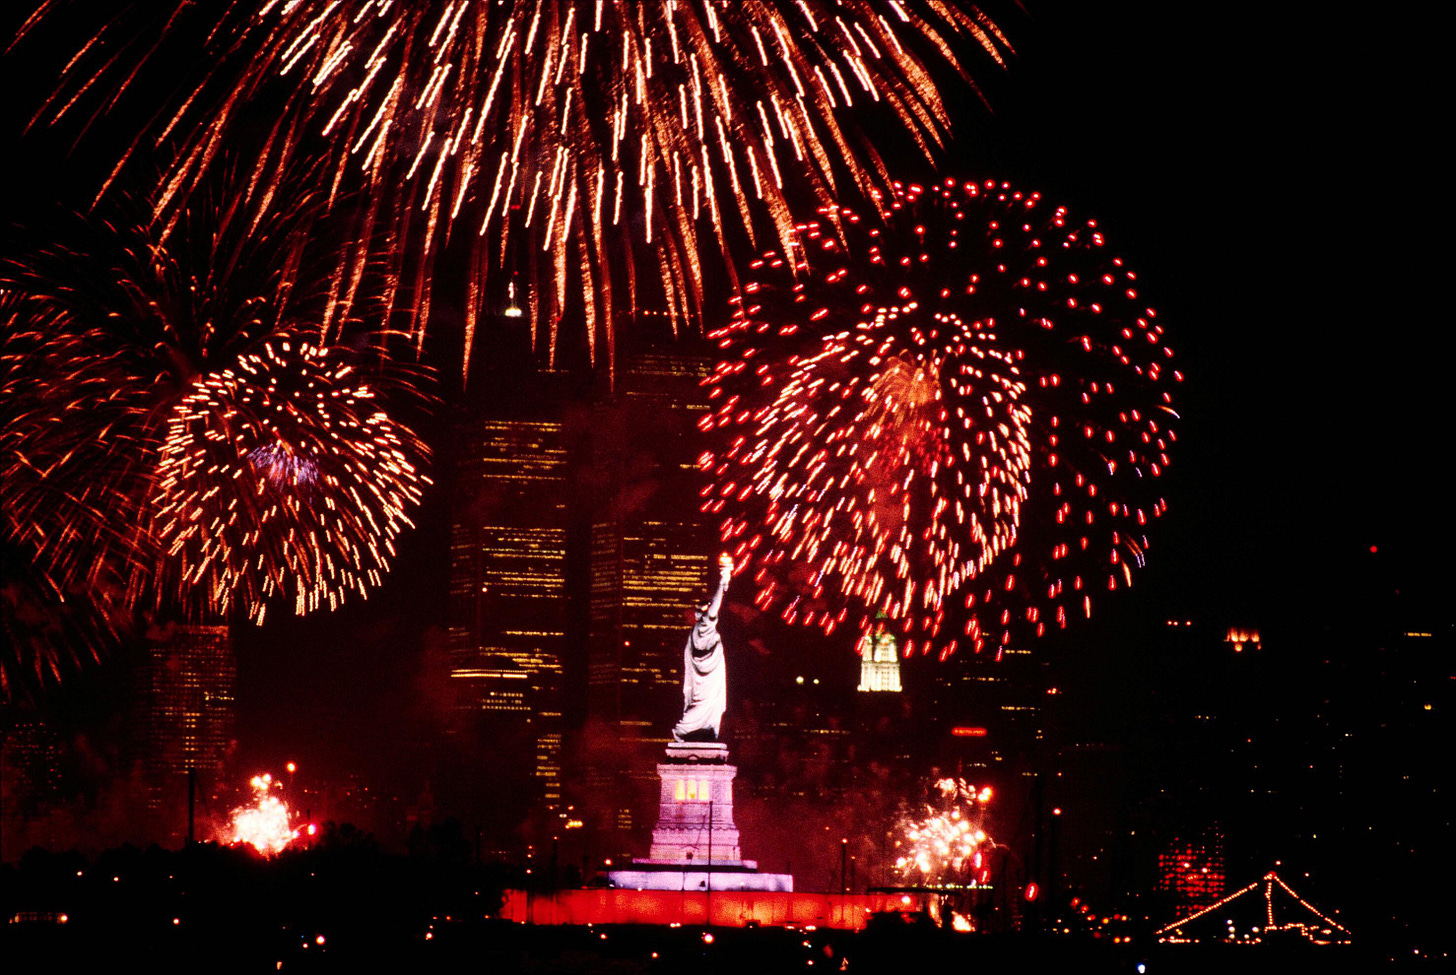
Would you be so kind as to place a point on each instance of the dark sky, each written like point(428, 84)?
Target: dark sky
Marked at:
point(1258, 172)
point(1261, 173)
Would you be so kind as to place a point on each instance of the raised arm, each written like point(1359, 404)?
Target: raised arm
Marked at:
point(724, 575)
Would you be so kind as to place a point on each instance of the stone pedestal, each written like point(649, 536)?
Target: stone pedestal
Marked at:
point(695, 808)
point(695, 844)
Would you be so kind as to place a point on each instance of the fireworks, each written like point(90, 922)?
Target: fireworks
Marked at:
point(946, 842)
point(266, 825)
point(168, 445)
point(958, 420)
point(282, 472)
point(559, 133)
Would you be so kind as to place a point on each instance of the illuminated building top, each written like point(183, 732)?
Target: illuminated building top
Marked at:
point(879, 668)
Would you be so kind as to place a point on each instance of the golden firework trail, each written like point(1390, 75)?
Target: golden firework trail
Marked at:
point(170, 444)
point(587, 145)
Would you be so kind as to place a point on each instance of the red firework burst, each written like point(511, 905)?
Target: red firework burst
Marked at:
point(954, 413)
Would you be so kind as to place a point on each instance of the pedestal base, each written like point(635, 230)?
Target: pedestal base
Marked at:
point(695, 807)
point(695, 842)
point(645, 875)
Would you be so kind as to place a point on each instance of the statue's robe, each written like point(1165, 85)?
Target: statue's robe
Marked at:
point(705, 685)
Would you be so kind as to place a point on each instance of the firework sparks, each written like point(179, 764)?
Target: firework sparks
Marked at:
point(282, 472)
point(958, 423)
point(558, 132)
point(266, 825)
point(168, 445)
point(946, 842)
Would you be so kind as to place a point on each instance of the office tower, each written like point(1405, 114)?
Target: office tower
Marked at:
point(1191, 870)
point(508, 602)
point(991, 712)
point(31, 761)
point(883, 712)
point(184, 709)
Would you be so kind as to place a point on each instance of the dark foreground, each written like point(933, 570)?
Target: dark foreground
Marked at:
point(347, 907)
point(501, 947)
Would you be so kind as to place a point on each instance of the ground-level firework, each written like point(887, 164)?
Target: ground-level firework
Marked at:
point(943, 841)
point(266, 825)
point(953, 413)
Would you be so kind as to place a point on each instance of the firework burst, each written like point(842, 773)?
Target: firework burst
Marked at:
point(567, 135)
point(266, 825)
point(957, 421)
point(945, 841)
point(168, 446)
point(281, 473)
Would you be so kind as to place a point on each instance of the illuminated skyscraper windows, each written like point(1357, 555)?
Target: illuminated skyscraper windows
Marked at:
point(184, 707)
point(508, 584)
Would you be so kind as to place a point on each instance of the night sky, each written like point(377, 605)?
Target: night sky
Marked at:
point(1261, 173)
point(1247, 172)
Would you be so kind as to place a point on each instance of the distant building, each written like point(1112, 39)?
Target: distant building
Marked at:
point(646, 576)
point(184, 707)
point(31, 762)
point(879, 669)
point(992, 712)
point(1191, 870)
point(508, 601)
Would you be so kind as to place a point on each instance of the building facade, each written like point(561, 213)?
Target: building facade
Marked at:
point(652, 558)
point(508, 594)
point(184, 710)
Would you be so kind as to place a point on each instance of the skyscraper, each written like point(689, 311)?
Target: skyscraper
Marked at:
point(879, 668)
point(1191, 870)
point(508, 603)
point(31, 756)
point(992, 710)
point(646, 574)
point(184, 708)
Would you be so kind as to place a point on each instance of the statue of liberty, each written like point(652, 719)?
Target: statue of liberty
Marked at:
point(705, 686)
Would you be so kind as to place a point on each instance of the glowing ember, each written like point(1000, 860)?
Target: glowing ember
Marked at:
point(265, 824)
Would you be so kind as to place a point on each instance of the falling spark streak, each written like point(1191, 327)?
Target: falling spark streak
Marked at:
point(272, 458)
point(474, 80)
point(958, 423)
